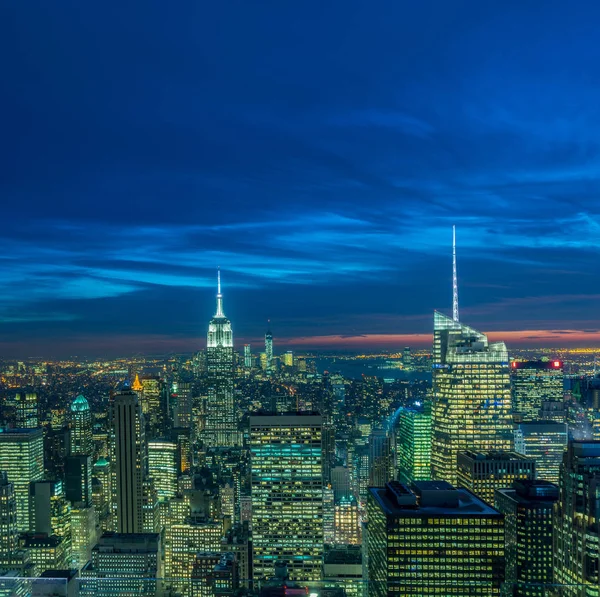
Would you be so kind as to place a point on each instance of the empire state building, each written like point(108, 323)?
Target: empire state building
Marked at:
point(221, 424)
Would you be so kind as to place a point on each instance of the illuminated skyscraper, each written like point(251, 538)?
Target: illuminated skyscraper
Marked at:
point(413, 444)
point(27, 410)
point(576, 532)
point(482, 474)
point(22, 457)
point(545, 442)
point(162, 466)
point(81, 428)
point(535, 382)
point(472, 397)
point(153, 400)
point(247, 357)
point(288, 359)
point(130, 462)
point(221, 422)
point(9, 533)
point(287, 494)
point(269, 350)
point(433, 540)
point(527, 509)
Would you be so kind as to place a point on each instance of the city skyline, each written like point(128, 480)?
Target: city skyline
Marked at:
point(323, 178)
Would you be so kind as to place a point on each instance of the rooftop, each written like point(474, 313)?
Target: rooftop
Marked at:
point(80, 404)
point(449, 501)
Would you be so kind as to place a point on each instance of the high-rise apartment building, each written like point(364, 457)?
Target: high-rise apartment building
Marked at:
point(527, 507)
point(576, 532)
point(545, 442)
point(472, 396)
point(483, 473)
point(433, 540)
point(535, 382)
point(130, 461)
point(221, 420)
point(81, 432)
point(22, 457)
point(413, 444)
point(287, 494)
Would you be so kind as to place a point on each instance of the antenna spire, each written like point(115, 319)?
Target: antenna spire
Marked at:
point(454, 278)
point(219, 295)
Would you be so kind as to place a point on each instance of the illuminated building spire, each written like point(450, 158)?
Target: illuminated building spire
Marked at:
point(137, 384)
point(219, 312)
point(454, 278)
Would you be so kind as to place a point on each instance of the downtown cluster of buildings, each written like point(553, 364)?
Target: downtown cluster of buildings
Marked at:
point(241, 474)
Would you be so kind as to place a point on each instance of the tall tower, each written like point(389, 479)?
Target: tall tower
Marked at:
point(287, 494)
point(221, 423)
point(130, 461)
point(269, 349)
point(472, 395)
point(81, 428)
point(22, 457)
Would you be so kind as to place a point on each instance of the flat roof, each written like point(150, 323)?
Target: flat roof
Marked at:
point(469, 505)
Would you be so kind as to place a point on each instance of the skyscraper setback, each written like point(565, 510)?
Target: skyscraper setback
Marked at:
point(221, 423)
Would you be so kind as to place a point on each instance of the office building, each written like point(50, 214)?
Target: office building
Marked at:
point(182, 542)
point(51, 512)
point(85, 531)
point(153, 400)
point(46, 552)
point(221, 419)
point(381, 458)
point(127, 565)
point(130, 462)
point(9, 533)
point(22, 458)
point(214, 574)
point(81, 432)
point(413, 444)
point(483, 473)
point(78, 479)
point(102, 474)
point(433, 540)
point(288, 358)
point(545, 442)
point(407, 360)
point(576, 533)
point(535, 382)
point(346, 522)
point(527, 507)
point(27, 407)
point(287, 494)
point(182, 412)
point(247, 357)
point(472, 396)
point(269, 351)
point(343, 570)
point(162, 467)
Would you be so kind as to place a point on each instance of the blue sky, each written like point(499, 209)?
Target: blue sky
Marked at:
point(318, 152)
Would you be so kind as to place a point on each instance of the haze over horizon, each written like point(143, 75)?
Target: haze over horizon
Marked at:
point(321, 174)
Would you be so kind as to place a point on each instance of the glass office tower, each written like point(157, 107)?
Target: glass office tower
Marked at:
point(472, 396)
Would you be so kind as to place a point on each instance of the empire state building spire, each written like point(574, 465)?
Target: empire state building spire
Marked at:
point(219, 312)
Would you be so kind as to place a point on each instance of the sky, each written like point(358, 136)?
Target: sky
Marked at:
point(317, 152)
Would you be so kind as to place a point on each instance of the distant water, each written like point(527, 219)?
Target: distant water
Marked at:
point(354, 369)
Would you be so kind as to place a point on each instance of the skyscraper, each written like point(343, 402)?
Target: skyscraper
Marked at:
point(130, 461)
point(22, 457)
point(287, 494)
point(81, 428)
point(247, 356)
point(527, 509)
point(433, 540)
point(269, 350)
point(545, 442)
point(9, 534)
point(221, 421)
point(576, 533)
point(471, 390)
point(535, 382)
point(472, 398)
point(482, 474)
point(27, 410)
point(413, 444)
point(162, 466)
